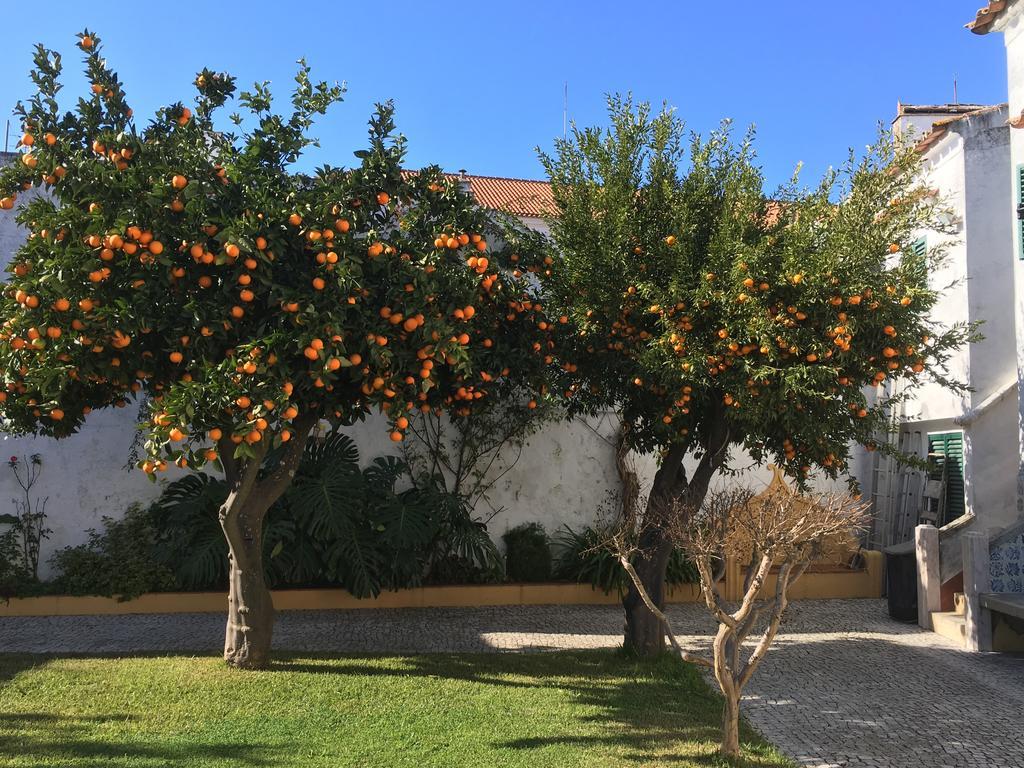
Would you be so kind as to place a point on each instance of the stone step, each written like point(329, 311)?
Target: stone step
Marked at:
point(950, 625)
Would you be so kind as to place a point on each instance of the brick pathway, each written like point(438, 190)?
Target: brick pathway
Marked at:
point(844, 685)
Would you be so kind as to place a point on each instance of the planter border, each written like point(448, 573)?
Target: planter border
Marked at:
point(820, 584)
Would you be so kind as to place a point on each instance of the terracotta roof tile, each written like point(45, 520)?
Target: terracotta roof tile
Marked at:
point(940, 127)
point(986, 16)
point(523, 197)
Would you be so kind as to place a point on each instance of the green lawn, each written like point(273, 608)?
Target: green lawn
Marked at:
point(536, 710)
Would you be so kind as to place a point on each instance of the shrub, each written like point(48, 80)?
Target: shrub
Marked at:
point(527, 553)
point(119, 561)
point(583, 557)
point(337, 525)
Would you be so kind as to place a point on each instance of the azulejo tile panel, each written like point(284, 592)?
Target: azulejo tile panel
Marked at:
point(1006, 566)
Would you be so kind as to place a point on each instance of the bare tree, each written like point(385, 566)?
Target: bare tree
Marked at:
point(777, 528)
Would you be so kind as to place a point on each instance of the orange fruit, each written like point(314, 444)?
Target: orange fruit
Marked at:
point(383, 198)
point(216, 434)
point(179, 182)
point(295, 219)
point(176, 435)
point(56, 414)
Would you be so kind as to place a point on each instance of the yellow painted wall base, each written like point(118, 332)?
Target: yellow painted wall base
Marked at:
point(820, 585)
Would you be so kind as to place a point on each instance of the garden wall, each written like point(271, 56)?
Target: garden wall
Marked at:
point(823, 582)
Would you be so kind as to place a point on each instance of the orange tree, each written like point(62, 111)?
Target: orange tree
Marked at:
point(715, 317)
point(190, 266)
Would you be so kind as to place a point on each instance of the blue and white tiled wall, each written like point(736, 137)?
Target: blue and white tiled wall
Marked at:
point(1006, 566)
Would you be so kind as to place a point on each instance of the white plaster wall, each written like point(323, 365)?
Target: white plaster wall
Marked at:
point(1012, 26)
point(992, 448)
point(945, 172)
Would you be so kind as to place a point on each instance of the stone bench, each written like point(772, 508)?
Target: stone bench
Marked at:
point(1009, 603)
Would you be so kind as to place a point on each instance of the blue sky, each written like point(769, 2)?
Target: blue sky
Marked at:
point(479, 84)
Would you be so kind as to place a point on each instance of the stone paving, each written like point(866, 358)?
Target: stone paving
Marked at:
point(843, 686)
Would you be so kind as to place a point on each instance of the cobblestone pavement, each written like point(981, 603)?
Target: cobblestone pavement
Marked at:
point(843, 686)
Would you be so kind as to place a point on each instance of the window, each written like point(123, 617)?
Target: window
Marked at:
point(946, 464)
point(919, 247)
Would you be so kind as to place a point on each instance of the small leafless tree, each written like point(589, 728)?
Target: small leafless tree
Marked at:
point(777, 528)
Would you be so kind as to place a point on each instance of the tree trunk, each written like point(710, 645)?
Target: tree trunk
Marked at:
point(731, 727)
point(250, 606)
point(644, 633)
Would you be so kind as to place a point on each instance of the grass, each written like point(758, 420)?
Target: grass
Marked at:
point(590, 709)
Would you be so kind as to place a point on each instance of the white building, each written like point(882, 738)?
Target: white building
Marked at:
point(1007, 17)
point(970, 441)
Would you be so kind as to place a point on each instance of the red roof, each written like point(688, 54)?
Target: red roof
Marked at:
point(940, 127)
point(986, 16)
point(522, 197)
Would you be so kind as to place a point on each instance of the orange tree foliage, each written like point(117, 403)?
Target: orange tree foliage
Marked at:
point(711, 314)
point(191, 265)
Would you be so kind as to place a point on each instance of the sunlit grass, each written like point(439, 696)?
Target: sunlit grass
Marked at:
point(536, 710)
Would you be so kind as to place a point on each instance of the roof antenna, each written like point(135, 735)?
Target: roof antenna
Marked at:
point(956, 100)
point(565, 108)
point(7, 134)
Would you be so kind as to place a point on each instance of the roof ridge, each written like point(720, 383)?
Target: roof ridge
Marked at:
point(498, 178)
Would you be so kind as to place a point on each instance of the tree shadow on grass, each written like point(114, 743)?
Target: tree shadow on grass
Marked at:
point(44, 740)
point(643, 707)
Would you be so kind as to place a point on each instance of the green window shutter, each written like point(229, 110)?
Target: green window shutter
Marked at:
point(946, 462)
point(919, 247)
point(1020, 206)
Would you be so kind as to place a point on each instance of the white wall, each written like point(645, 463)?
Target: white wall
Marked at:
point(1012, 25)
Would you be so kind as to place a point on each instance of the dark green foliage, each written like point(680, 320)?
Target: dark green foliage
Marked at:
point(15, 581)
point(463, 551)
point(189, 539)
point(527, 553)
point(337, 525)
point(582, 556)
point(360, 531)
point(117, 561)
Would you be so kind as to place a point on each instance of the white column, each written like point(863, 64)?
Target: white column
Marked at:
point(929, 596)
point(978, 620)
